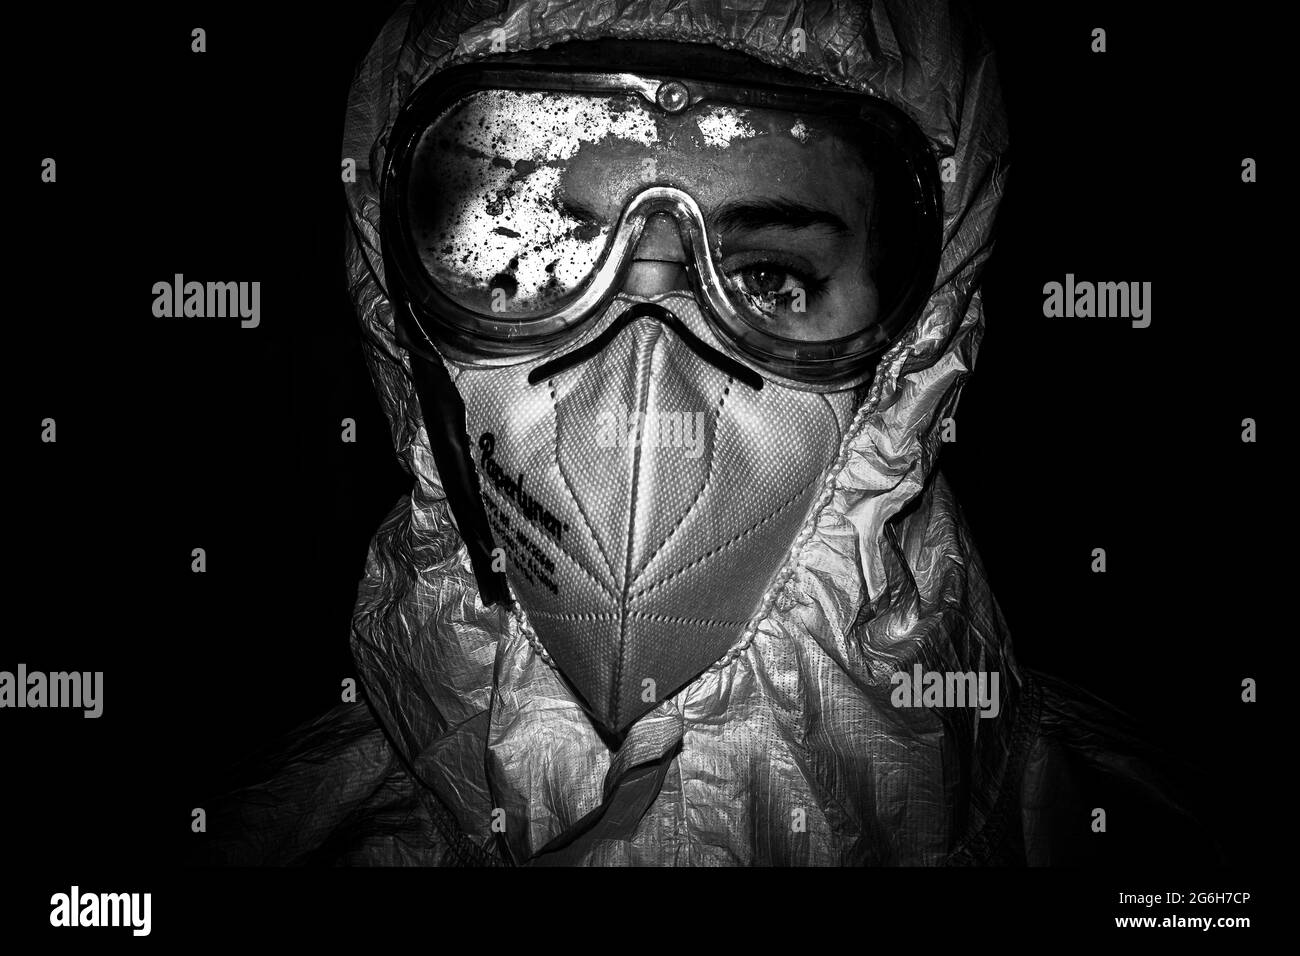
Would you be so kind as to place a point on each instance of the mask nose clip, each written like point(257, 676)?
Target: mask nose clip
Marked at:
point(706, 353)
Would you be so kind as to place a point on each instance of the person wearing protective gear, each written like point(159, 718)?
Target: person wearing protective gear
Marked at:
point(651, 427)
point(666, 307)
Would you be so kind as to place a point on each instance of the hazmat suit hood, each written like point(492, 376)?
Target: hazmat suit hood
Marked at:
point(794, 747)
point(788, 749)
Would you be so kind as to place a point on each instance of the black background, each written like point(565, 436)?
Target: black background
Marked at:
point(176, 434)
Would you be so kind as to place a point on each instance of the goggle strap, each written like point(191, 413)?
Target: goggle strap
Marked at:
point(444, 421)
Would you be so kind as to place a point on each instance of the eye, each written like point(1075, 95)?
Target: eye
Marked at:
point(767, 280)
point(771, 286)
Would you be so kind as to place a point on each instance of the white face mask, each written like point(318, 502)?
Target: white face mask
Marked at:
point(644, 499)
point(645, 473)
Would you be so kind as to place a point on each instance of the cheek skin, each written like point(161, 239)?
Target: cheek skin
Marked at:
point(855, 308)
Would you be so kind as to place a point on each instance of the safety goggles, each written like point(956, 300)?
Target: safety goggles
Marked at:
point(516, 198)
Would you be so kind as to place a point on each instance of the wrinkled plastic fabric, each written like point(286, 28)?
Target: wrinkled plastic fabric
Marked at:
point(787, 750)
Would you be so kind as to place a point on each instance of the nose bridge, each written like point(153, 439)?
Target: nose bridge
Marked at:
point(659, 258)
point(661, 240)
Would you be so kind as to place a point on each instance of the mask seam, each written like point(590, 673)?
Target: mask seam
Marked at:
point(713, 459)
point(727, 544)
point(640, 615)
point(625, 598)
point(586, 522)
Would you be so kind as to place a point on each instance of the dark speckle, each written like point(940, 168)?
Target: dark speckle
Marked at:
point(506, 283)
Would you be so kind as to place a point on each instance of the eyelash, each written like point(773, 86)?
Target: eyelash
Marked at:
point(813, 286)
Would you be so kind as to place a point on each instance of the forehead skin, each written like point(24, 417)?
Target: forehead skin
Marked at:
point(721, 155)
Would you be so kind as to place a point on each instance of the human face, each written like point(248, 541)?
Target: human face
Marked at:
point(787, 201)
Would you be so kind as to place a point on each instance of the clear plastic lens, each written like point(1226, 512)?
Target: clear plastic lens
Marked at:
point(513, 198)
point(487, 207)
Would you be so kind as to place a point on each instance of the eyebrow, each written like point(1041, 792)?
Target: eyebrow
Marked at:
point(776, 214)
point(578, 210)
